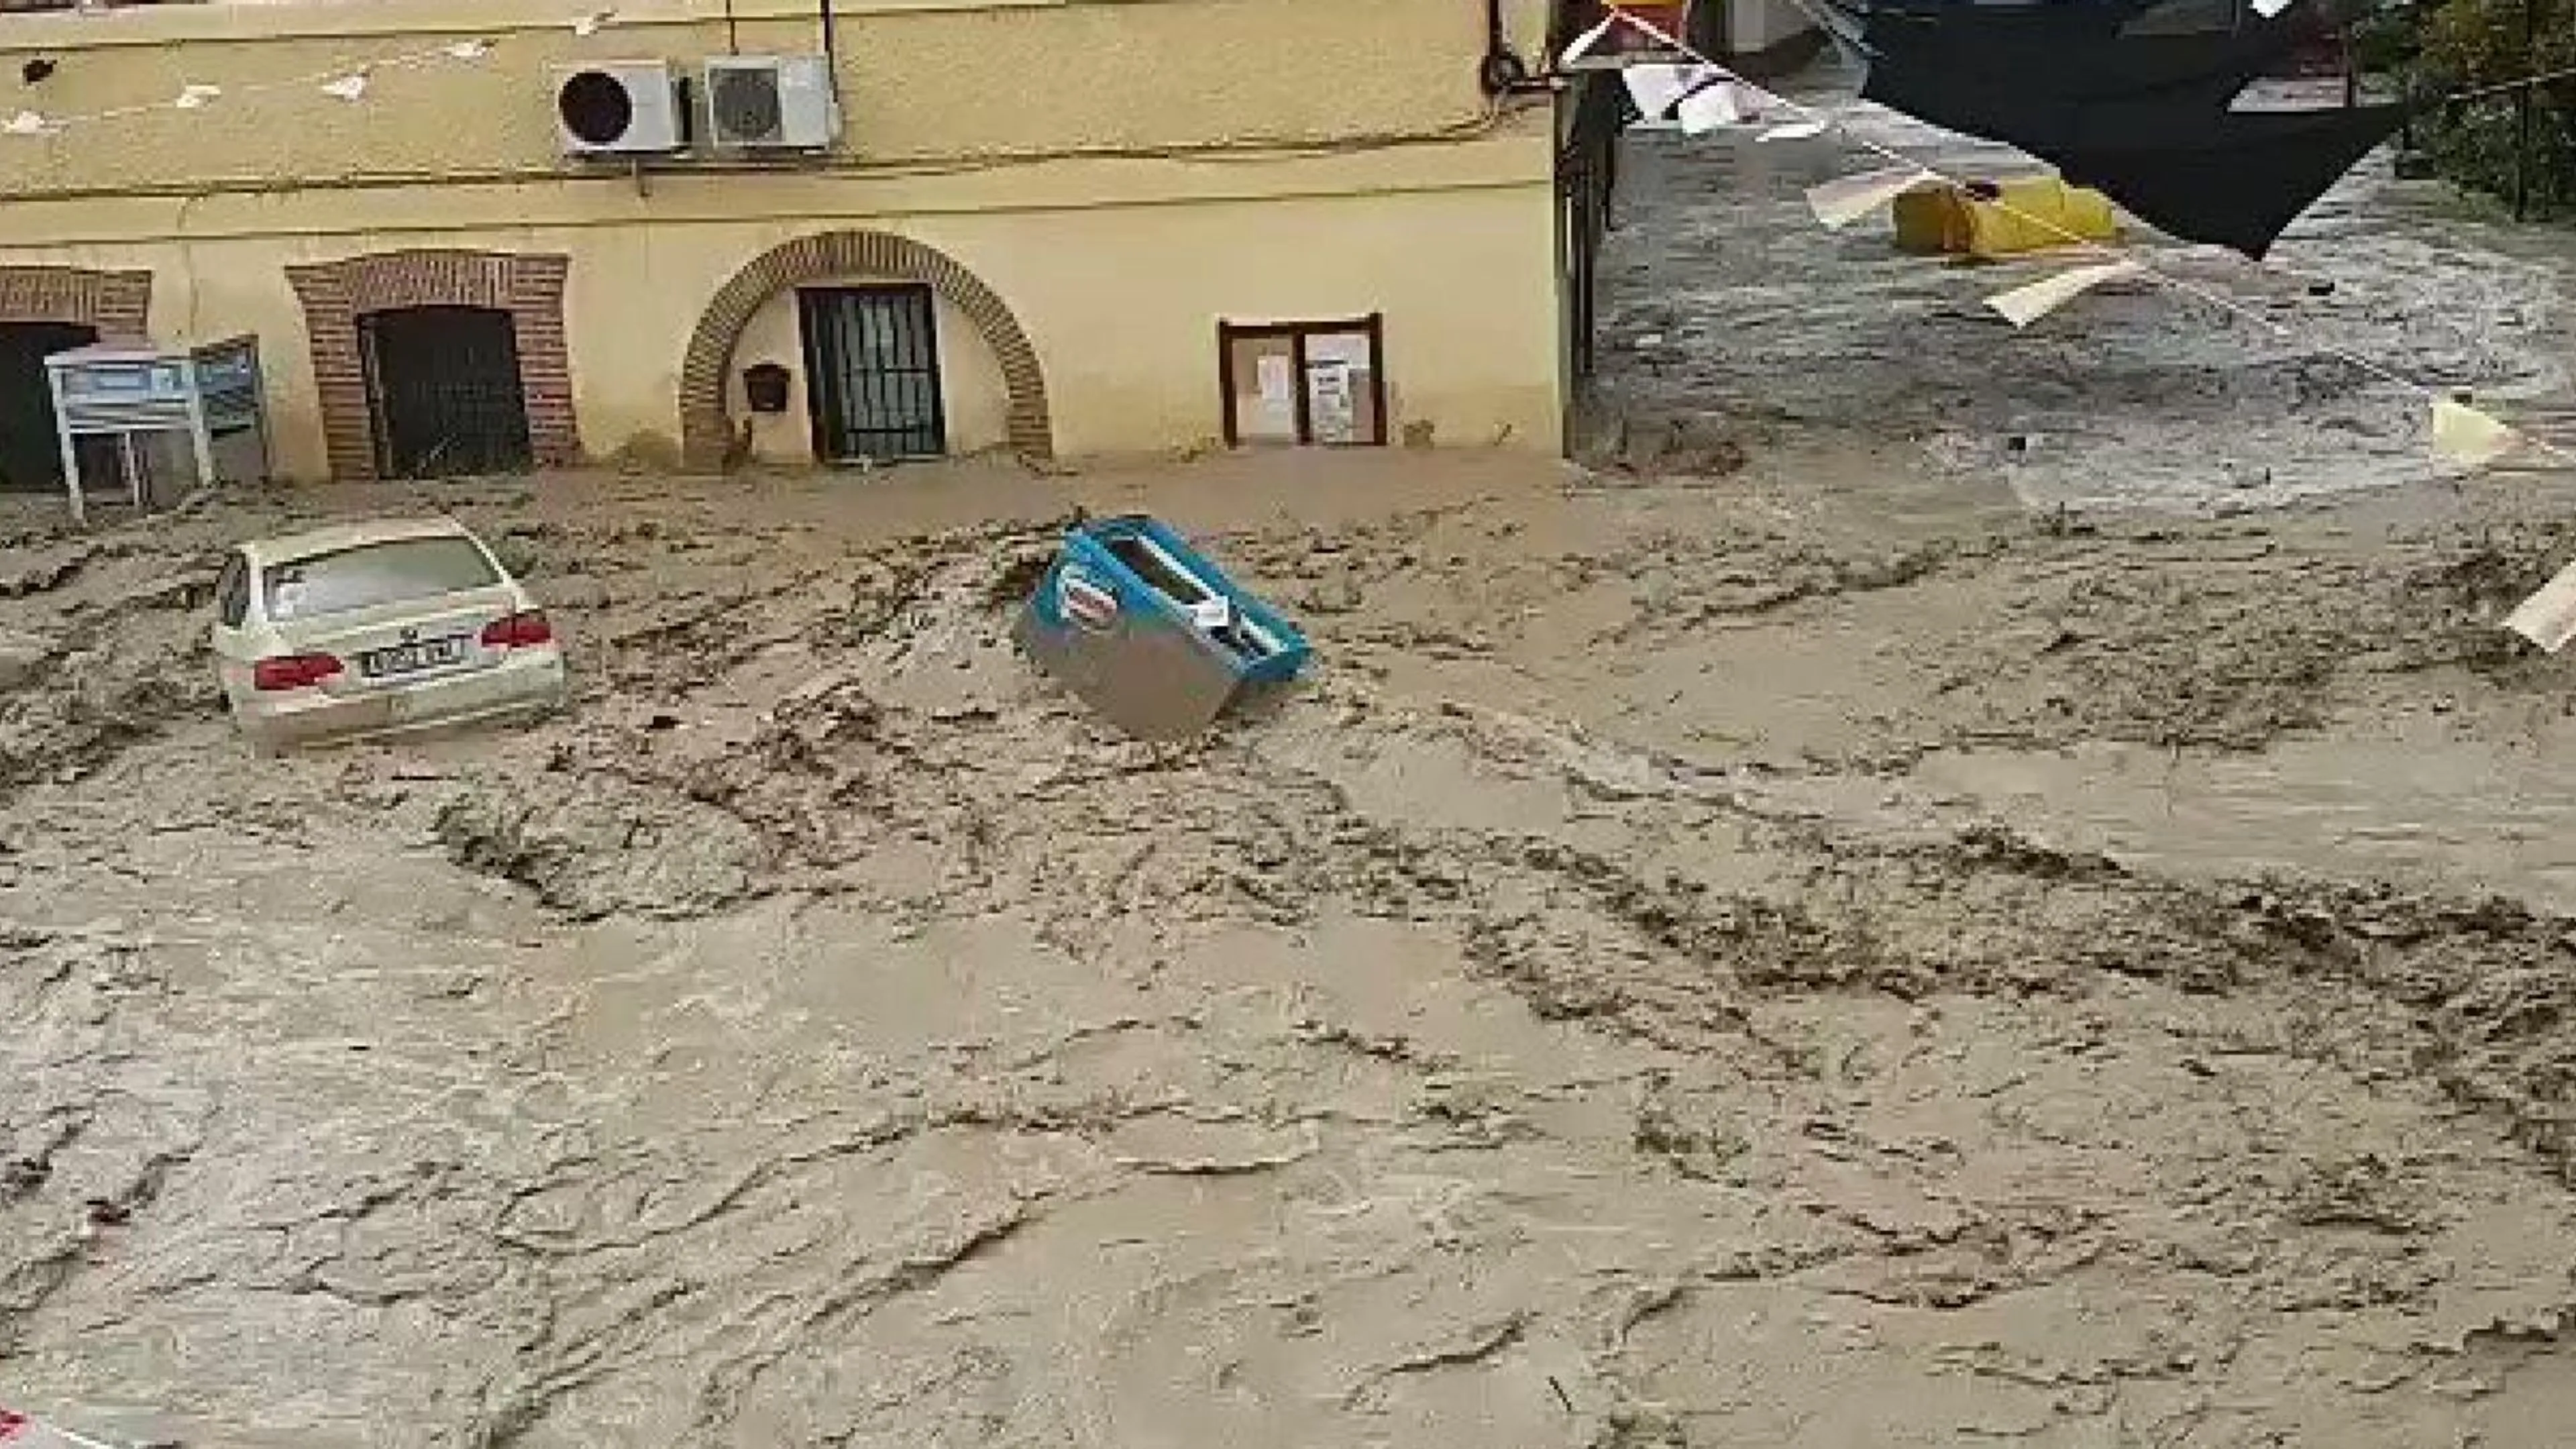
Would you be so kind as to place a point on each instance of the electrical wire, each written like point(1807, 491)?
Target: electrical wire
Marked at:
point(1223, 153)
point(194, 97)
point(1488, 118)
point(47, 125)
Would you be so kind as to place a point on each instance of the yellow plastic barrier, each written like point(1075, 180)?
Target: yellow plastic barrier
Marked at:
point(1946, 219)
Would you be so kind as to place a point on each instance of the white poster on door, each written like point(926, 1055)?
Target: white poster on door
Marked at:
point(1350, 348)
point(1331, 403)
point(1277, 378)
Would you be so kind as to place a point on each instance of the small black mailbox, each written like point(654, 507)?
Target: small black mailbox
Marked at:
point(764, 386)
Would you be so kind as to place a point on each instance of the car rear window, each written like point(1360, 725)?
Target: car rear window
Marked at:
point(374, 575)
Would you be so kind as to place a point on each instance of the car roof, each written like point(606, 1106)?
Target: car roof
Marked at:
point(341, 537)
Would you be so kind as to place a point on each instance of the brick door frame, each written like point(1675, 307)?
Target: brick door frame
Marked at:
point(706, 422)
point(117, 304)
point(527, 285)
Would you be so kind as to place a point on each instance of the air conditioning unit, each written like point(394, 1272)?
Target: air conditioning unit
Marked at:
point(621, 108)
point(772, 103)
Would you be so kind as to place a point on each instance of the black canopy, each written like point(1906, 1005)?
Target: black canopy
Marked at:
point(2130, 97)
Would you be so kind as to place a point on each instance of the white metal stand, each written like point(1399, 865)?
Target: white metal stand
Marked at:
point(127, 392)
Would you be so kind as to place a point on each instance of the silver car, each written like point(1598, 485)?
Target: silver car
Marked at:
point(375, 629)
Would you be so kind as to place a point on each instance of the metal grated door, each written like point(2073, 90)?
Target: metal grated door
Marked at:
point(445, 387)
point(872, 369)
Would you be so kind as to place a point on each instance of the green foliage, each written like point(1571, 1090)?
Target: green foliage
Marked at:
point(2466, 44)
point(2384, 39)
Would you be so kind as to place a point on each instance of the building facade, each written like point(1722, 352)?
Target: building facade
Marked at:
point(1067, 228)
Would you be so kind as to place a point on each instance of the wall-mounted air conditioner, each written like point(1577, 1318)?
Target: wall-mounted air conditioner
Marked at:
point(621, 108)
point(771, 103)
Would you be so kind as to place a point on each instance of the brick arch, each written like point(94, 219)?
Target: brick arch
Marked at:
point(706, 429)
point(528, 286)
point(118, 304)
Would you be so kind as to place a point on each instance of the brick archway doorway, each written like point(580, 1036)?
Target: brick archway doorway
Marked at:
point(340, 297)
point(706, 427)
point(44, 310)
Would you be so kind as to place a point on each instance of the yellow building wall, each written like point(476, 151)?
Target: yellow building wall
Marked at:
point(923, 81)
point(1121, 298)
point(1117, 266)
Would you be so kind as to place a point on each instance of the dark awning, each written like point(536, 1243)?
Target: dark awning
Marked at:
point(2130, 97)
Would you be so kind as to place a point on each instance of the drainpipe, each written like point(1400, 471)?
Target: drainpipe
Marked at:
point(1503, 72)
point(831, 69)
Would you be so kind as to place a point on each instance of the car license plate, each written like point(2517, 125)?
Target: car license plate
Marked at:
point(411, 658)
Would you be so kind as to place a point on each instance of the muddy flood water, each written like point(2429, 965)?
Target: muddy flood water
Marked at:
point(1869, 948)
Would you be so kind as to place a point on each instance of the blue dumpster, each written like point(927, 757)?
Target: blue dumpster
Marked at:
point(1150, 633)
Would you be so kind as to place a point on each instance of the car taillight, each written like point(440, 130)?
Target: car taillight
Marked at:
point(519, 631)
point(293, 671)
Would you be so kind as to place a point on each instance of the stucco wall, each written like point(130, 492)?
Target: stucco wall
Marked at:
point(970, 127)
point(1120, 295)
point(923, 80)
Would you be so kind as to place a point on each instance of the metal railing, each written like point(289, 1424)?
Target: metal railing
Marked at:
point(2531, 149)
point(2525, 94)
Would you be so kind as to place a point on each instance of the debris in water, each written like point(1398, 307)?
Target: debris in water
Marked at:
point(1150, 633)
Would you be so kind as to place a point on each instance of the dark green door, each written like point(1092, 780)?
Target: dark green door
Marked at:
point(31, 455)
point(445, 389)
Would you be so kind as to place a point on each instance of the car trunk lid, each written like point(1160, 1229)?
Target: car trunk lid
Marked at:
point(396, 644)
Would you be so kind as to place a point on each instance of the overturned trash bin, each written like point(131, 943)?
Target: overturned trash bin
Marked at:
point(1150, 634)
